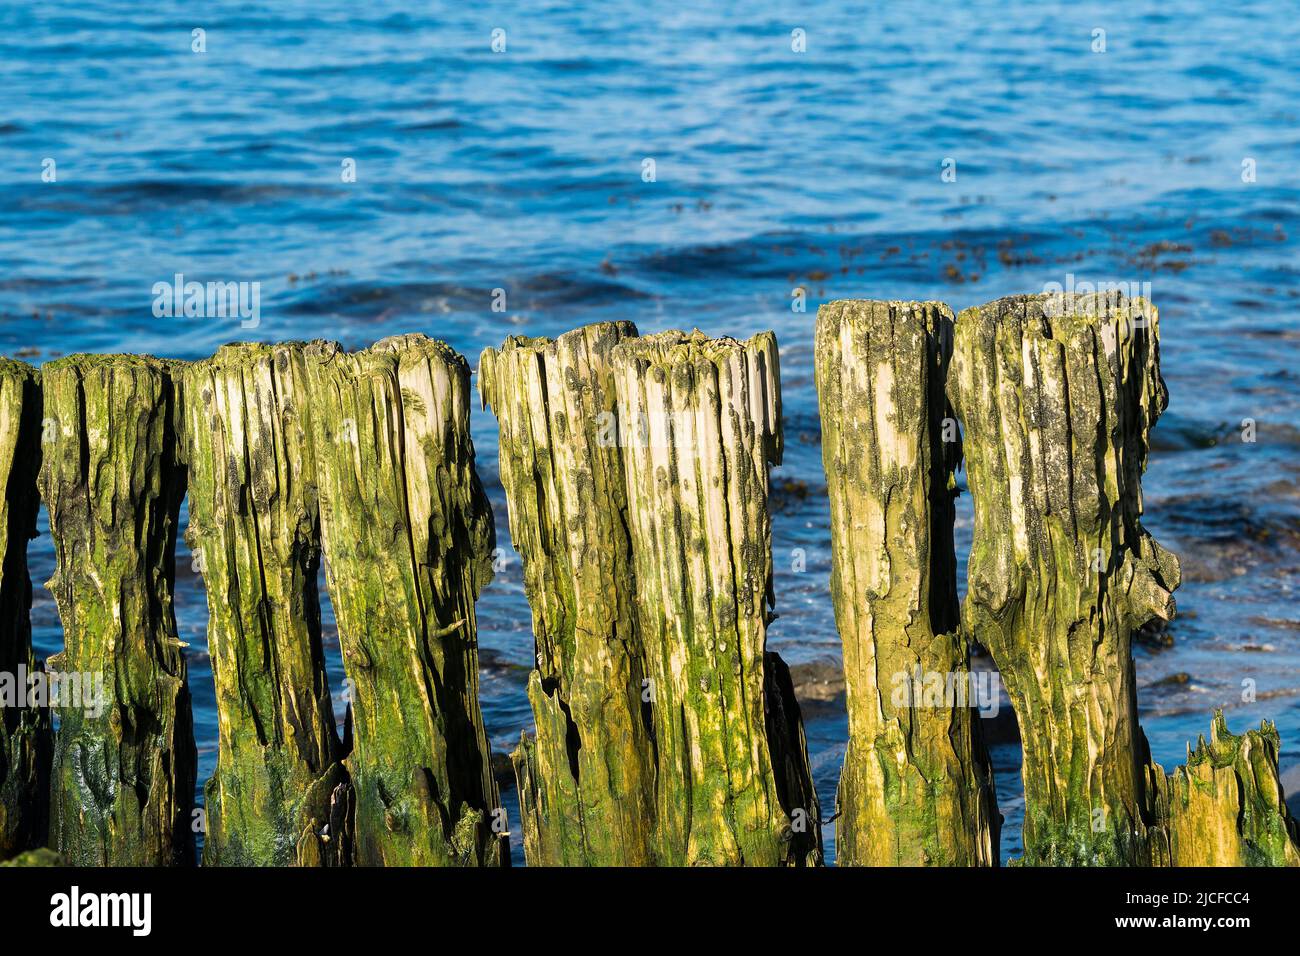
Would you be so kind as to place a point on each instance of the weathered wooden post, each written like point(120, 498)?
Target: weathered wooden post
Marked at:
point(407, 534)
point(700, 422)
point(25, 742)
point(124, 758)
point(280, 795)
point(1225, 806)
point(1057, 395)
point(586, 783)
point(916, 788)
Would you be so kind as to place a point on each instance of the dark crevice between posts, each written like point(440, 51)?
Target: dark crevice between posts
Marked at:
point(407, 537)
point(788, 745)
point(586, 779)
point(917, 786)
point(280, 795)
point(25, 729)
point(1057, 396)
point(700, 424)
point(124, 767)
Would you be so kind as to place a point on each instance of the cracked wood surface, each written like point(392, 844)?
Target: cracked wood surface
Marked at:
point(122, 779)
point(407, 535)
point(280, 795)
point(701, 424)
point(916, 787)
point(586, 779)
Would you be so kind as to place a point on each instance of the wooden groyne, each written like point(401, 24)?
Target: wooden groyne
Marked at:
point(280, 794)
point(586, 778)
point(124, 767)
point(916, 788)
point(636, 471)
point(1225, 806)
point(703, 424)
point(408, 538)
point(1057, 395)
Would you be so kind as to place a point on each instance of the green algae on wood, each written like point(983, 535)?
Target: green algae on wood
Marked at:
point(586, 781)
point(124, 767)
point(41, 856)
point(407, 535)
point(1057, 395)
point(25, 735)
point(280, 795)
point(917, 787)
point(700, 423)
point(1225, 806)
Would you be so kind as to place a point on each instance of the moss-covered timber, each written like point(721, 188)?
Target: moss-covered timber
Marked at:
point(1225, 806)
point(1057, 396)
point(586, 782)
point(25, 741)
point(124, 769)
point(280, 795)
point(917, 787)
point(41, 856)
point(407, 536)
point(700, 422)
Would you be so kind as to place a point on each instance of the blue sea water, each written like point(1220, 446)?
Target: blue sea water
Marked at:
point(524, 170)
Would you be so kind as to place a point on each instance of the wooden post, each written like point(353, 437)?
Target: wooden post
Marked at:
point(1057, 396)
point(25, 741)
point(407, 533)
point(280, 795)
point(586, 783)
point(916, 788)
point(1225, 806)
point(700, 421)
point(124, 759)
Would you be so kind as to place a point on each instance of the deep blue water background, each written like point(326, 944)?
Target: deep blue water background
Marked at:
point(522, 171)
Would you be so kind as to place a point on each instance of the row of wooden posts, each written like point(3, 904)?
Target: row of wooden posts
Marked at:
point(636, 473)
